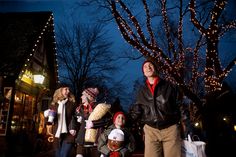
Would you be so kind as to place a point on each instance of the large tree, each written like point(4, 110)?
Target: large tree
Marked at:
point(172, 58)
point(182, 37)
point(86, 59)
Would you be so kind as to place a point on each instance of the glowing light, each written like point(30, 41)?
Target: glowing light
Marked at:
point(39, 79)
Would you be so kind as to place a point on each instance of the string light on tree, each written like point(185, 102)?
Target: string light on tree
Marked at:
point(172, 60)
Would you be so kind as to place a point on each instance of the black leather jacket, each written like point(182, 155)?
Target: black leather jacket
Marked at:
point(159, 111)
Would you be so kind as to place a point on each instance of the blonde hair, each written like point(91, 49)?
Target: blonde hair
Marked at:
point(58, 96)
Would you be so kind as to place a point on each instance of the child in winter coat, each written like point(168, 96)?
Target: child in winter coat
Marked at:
point(83, 112)
point(128, 143)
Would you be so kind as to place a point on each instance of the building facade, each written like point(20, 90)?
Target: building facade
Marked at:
point(27, 44)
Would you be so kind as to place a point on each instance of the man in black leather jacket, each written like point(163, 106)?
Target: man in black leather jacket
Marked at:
point(158, 109)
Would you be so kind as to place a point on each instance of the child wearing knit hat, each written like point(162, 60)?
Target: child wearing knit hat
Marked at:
point(83, 111)
point(119, 132)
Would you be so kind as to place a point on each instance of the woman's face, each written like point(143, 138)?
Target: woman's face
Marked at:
point(65, 92)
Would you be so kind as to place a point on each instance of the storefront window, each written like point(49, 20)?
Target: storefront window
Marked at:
point(24, 110)
point(4, 110)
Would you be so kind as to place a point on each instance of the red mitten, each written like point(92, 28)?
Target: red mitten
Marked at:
point(115, 154)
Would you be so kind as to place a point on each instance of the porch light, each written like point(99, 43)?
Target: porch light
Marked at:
point(39, 78)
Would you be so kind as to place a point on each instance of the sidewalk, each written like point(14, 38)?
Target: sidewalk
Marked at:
point(49, 153)
point(22, 146)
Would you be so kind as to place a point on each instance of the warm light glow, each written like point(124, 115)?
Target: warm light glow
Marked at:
point(39, 79)
point(196, 124)
point(234, 127)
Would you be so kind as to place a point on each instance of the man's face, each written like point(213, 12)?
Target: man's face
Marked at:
point(149, 69)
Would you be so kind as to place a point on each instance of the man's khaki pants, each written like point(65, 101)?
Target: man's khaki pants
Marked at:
point(162, 143)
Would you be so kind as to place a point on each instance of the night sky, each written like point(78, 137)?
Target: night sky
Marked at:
point(67, 11)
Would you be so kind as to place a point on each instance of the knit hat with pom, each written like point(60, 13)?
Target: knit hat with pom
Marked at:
point(91, 93)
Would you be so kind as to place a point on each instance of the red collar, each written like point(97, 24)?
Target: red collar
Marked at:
point(152, 87)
